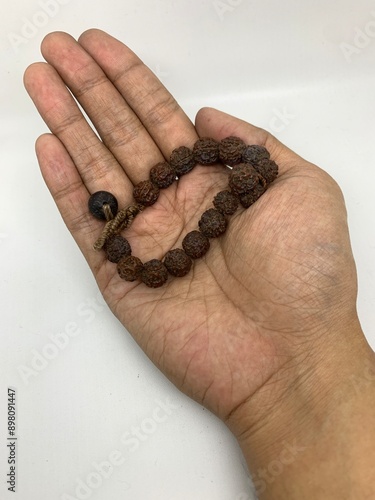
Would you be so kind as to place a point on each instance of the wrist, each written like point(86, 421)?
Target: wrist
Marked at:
point(293, 426)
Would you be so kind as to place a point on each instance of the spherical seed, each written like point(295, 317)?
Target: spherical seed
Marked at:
point(116, 248)
point(177, 262)
point(98, 200)
point(248, 199)
point(243, 178)
point(231, 149)
point(154, 273)
point(212, 223)
point(195, 244)
point(254, 153)
point(146, 193)
point(182, 160)
point(162, 175)
point(268, 169)
point(226, 202)
point(129, 268)
point(206, 151)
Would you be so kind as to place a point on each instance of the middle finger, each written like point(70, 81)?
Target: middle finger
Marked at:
point(118, 126)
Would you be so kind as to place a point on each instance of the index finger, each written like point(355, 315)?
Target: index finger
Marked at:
point(156, 108)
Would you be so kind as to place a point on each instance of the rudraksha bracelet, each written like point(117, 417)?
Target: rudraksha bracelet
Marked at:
point(251, 173)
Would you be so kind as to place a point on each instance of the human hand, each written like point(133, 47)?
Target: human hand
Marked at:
point(270, 310)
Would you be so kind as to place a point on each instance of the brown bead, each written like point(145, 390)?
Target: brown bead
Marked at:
point(268, 169)
point(212, 223)
point(129, 268)
point(226, 202)
point(231, 149)
point(154, 273)
point(248, 199)
point(243, 178)
point(182, 160)
point(116, 248)
point(162, 175)
point(146, 193)
point(195, 244)
point(206, 151)
point(177, 262)
point(254, 153)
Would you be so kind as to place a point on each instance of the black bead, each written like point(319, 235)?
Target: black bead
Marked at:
point(98, 200)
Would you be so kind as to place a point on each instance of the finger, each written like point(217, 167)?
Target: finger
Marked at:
point(69, 193)
point(96, 165)
point(155, 107)
point(118, 126)
point(217, 124)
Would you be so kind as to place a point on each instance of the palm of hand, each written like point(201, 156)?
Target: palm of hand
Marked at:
point(230, 326)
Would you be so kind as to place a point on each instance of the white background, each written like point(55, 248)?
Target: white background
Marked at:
point(280, 65)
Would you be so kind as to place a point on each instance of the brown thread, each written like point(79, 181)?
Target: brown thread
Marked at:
point(107, 212)
point(122, 221)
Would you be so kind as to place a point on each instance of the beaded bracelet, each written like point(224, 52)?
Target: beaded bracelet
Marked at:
point(251, 172)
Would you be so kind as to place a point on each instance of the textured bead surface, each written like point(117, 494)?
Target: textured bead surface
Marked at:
point(254, 153)
point(182, 160)
point(129, 268)
point(117, 247)
point(226, 202)
point(154, 273)
point(177, 262)
point(231, 149)
point(243, 178)
point(268, 169)
point(212, 223)
point(195, 244)
point(98, 200)
point(162, 175)
point(146, 193)
point(206, 151)
point(251, 172)
point(248, 199)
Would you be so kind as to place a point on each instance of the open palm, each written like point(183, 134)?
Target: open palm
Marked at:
point(265, 293)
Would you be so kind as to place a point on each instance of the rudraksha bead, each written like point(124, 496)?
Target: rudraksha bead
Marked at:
point(243, 178)
point(129, 268)
point(226, 202)
point(177, 262)
point(254, 153)
point(206, 151)
point(154, 273)
point(231, 149)
point(146, 193)
point(195, 244)
point(212, 223)
point(162, 175)
point(268, 169)
point(182, 160)
point(117, 247)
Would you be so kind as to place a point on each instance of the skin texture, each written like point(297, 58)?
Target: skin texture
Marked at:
point(261, 327)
